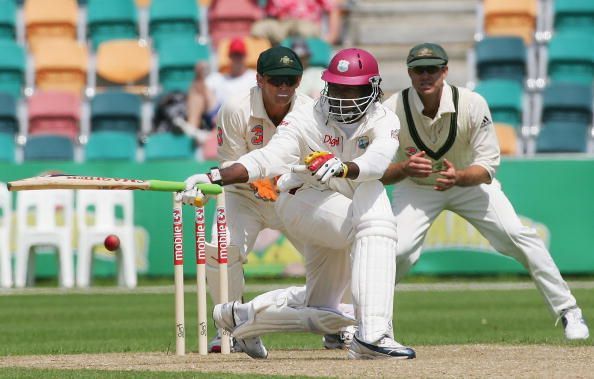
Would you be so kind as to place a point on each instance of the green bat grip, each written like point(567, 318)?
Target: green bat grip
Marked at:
point(163, 185)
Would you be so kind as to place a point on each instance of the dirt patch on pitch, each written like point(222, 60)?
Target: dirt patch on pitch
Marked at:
point(432, 361)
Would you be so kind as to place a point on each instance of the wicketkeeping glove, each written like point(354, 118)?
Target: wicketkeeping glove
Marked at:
point(323, 165)
point(265, 189)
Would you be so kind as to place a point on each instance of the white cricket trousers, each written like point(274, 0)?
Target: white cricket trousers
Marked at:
point(336, 230)
point(487, 208)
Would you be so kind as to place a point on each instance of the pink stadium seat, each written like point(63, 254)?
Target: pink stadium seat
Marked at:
point(54, 112)
point(232, 18)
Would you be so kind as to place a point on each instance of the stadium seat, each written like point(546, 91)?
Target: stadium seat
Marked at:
point(111, 19)
point(7, 19)
point(571, 58)
point(116, 111)
point(54, 112)
point(143, 3)
point(163, 146)
point(511, 18)
point(5, 235)
point(9, 122)
point(111, 145)
point(61, 65)
point(12, 68)
point(501, 58)
point(321, 51)
point(508, 139)
point(177, 59)
point(49, 148)
point(231, 18)
point(566, 117)
point(50, 19)
point(254, 47)
point(6, 148)
point(574, 15)
point(505, 100)
point(52, 211)
point(105, 206)
point(124, 64)
point(170, 19)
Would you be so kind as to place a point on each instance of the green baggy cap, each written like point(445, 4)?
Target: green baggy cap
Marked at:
point(427, 54)
point(279, 61)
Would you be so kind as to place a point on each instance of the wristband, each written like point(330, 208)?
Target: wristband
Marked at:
point(215, 176)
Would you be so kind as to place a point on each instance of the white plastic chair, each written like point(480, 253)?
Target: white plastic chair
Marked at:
point(5, 221)
point(45, 206)
point(105, 222)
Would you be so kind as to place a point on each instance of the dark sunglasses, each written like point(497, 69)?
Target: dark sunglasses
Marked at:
point(278, 81)
point(428, 69)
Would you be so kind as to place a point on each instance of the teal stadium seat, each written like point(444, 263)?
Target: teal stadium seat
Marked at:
point(321, 51)
point(7, 19)
point(177, 59)
point(164, 146)
point(505, 100)
point(9, 122)
point(111, 19)
point(566, 116)
point(12, 68)
point(170, 19)
point(45, 147)
point(116, 111)
point(571, 58)
point(574, 15)
point(6, 148)
point(110, 145)
point(501, 58)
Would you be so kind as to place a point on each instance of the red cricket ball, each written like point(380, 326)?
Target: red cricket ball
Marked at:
point(112, 242)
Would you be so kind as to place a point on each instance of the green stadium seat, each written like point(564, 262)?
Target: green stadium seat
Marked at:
point(571, 58)
point(12, 68)
point(505, 100)
point(566, 116)
point(320, 50)
point(111, 19)
point(169, 19)
point(7, 19)
point(116, 111)
point(110, 145)
point(9, 122)
point(574, 15)
point(177, 59)
point(48, 148)
point(501, 58)
point(163, 146)
point(6, 148)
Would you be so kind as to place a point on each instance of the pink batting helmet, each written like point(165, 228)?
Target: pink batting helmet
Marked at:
point(351, 67)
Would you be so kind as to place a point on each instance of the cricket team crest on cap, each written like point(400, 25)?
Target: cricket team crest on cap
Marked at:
point(425, 52)
point(363, 142)
point(342, 66)
point(286, 61)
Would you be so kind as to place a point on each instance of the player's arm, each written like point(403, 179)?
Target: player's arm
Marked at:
point(416, 166)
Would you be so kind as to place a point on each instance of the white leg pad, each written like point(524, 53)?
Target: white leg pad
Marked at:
point(373, 257)
point(234, 269)
point(284, 310)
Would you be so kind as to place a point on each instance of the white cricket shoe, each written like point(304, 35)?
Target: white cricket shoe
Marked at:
point(342, 340)
point(386, 348)
point(224, 317)
point(574, 324)
point(214, 346)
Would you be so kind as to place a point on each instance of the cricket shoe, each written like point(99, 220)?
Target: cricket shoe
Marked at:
point(574, 324)
point(342, 340)
point(214, 346)
point(386, 348)
point(224, 317)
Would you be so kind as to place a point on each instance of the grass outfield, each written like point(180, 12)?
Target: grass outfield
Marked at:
point(103, 323)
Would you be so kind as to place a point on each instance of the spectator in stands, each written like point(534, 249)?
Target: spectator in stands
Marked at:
point(290, 18)
point(207, 93)
point(311, 81)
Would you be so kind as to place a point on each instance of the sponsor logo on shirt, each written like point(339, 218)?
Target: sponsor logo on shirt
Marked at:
point(394, 134)
point(411, 150)
point(283, 123)
point(363, 142)
point(258, 137)
point(331, 140)
point(485, 122)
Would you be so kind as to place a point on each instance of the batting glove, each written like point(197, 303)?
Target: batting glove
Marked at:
point(324, 165)
point(193, 197)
